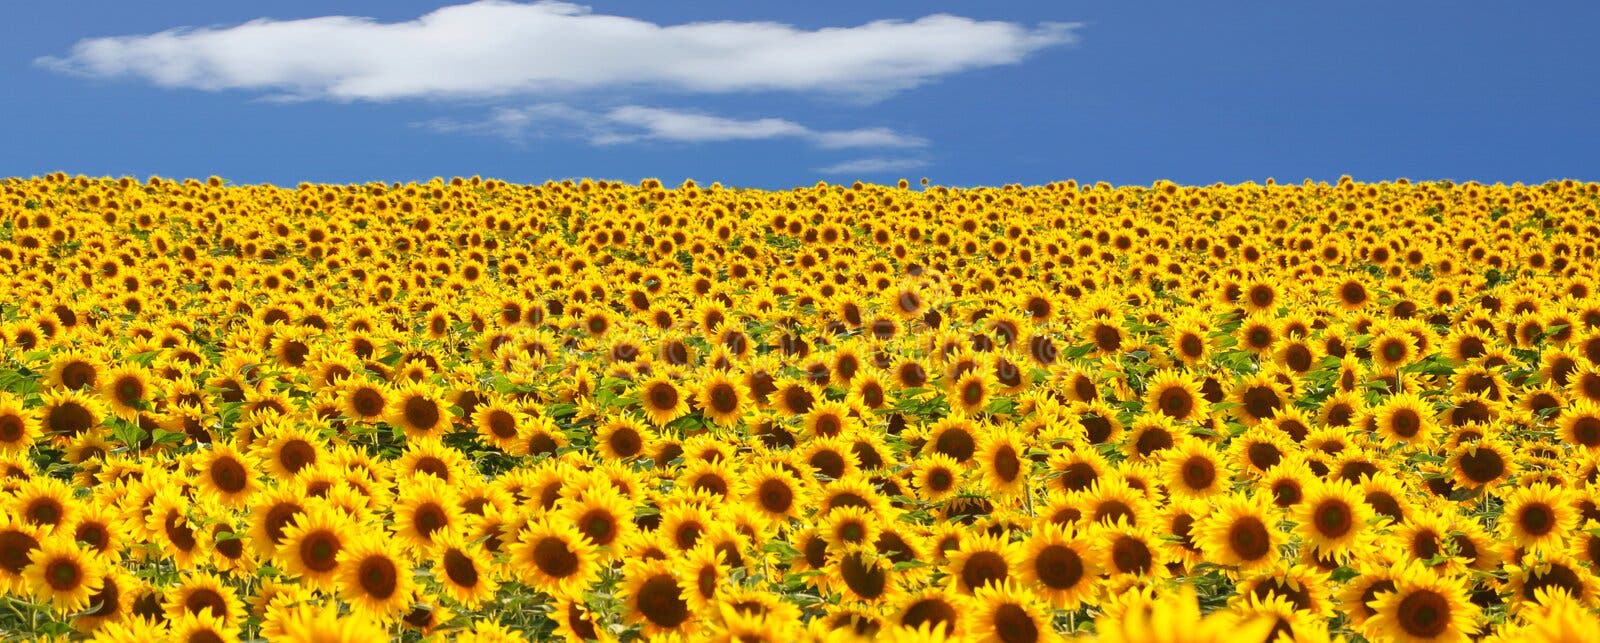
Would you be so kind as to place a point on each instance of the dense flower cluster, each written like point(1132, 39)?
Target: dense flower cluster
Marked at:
point(591, 410)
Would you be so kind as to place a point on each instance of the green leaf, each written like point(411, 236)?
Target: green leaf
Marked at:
point(128, 434)
point(164, 436)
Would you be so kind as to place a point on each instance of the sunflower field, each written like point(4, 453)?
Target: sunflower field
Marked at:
point(473, 410)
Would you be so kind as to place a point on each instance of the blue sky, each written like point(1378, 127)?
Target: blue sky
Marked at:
point(777, 94)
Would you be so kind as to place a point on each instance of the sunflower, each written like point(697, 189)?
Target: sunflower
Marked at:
point(1470, 547)
point(1481, 463)
point(1557, 617)
point(862, 576)
point(1539, 516)
point(982, 559)
point(1079, 386)
point(1000, 457)
point(430, 457)
point(364, 401)
point(904, 546)
point(1579, 423)
point(1422, 607)
point(325, 624)
point(955, 436)
point(1546, 572)
point(829, 419)
point(228, 474)
point(74, 370)
point(1177, 396)
point(1405, 418)
point(271, 516)
point(934, 610)
point(1375, 574)
point(172, 527)
point(1195, 469)
point(1009, 613)
point(682, 524)
point(702, 573)
point(111, 603)
point(226, 546)
point(1072, 471)
point(1175, 616)
point(622, 438)
point(1240, 532)
point(661, 400)
point(555, 558)
point(713, 478)
point(426, 615)
point(1106, 335)
point(128, 389)
point(577, 623)
point(1467, 343)
point(70, 413)
point(1422, 538)
point(1130, 552)
point(63, 575)
point(1190, 341)
point(200, 593)
point(1333, 518)
point(374, 578)
point(311, 547)
point(1288, 622)
point(202, 626)
point(972, 391)
point(775, 491)
point(1060, 566)
point(870, 390)
point(1259, 397)
point(1179, 520)
point(1387, 496)
point(464, 571)
point(1305, 587)
point(500, 423)
point(288, 447)
point(426, 508)
point(45, 503)
point(545, 485)
point(19, 426)
point(654, 598)
point(936, 476)
point(722, 398)
point(1112, 501)
point(1392, 349)
point(847, 526)
point(1258, 333)
point(1148, 436)
point(536, 435)
point(604, 515)
point(1296, 355)
point(419, 410)
point(1257, 452)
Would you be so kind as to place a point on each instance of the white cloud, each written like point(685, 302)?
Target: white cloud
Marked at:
point(873, 166)
point(635, 123)
point(672, 125)
point(499, 48)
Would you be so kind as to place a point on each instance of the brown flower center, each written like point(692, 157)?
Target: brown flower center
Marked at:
point(1059, 567)
point(460, 569)
point(1014, 625)
point(661, 602)
point(554, 558)
point(1424, 614)
point(1249, 539)
point(379, 577)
